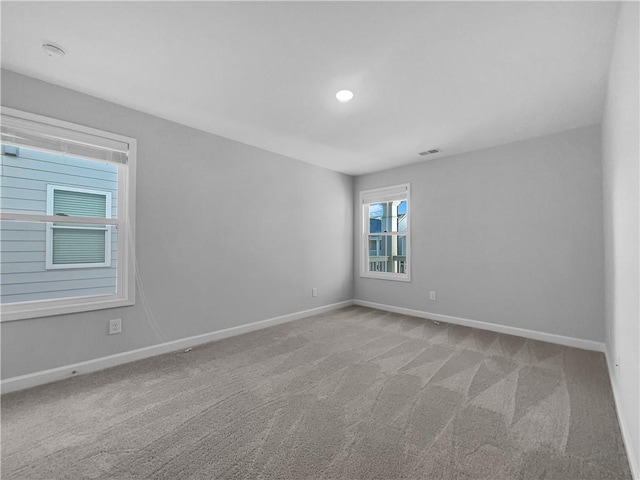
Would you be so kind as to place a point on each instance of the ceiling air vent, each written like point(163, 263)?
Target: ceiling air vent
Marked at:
point(429, 152)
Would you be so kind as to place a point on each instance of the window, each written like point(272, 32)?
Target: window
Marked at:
point(78, 246)
point(385, 241)
point(67, 217)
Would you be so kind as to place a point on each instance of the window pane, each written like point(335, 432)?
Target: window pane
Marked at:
point(79, 204)
point(378, 259)
point(388, 253)
point(26, 278)
point(77, 260)
point(388, 216)
point(26, 174)
point(400, 256)
point(402, 216)
point(375, 217)
point(79, 245)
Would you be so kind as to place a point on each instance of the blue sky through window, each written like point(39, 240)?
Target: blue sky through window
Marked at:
point(375, 209)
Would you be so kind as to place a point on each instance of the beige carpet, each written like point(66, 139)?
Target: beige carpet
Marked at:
point(353, 394)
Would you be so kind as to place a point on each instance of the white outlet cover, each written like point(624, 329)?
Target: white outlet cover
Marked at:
point(115, 326)
point(432, 295)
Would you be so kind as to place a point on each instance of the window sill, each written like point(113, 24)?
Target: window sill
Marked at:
point(48, 308)
point(395, 277)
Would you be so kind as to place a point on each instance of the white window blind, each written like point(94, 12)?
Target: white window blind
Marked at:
point(75, 203)
point(380, 195)
point(73, 247)
point(19, 132)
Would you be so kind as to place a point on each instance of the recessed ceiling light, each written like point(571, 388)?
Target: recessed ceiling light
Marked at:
point(344, 96)
point(53, 50)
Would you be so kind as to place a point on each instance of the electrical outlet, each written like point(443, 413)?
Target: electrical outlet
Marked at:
point(115, 326)
point(314, 292)
point(432, 295)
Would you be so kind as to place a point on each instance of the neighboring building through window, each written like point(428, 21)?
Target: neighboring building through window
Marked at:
point(385, 233)
point(67, 224)
point(79, 246)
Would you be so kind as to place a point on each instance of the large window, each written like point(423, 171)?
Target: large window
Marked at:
point(385, 245)
point(67, 223)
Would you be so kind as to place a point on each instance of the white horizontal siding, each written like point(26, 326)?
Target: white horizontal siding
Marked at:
point(22, 235)
point(48, 164)
point(19, 257)
point(22, 246)
point(30, 252)
point(59, 285)
point(34, 184)
point(21, 267)
point(10, 173)
point(17, 278)
point(23, 205)
point(29, 244)
point(24, 195)
point(23, 183)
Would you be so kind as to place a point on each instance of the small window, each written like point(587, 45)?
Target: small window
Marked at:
point(385, 233)
point(78, 246)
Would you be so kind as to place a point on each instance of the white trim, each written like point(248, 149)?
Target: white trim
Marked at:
point(107, 136)
point(28, 217)
point(366, 197)
point(125, 221)
point(49, 265)
point(626, 437)
point(12, 312)
point(47, 376)
point(494, 327)
point(382, 194)
point(396, 277)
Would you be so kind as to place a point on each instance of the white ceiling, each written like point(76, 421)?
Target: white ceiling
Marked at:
point(454, 75)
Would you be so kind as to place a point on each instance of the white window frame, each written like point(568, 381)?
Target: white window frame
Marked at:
point(124, 223)
point(365, 225)
point(49, 265)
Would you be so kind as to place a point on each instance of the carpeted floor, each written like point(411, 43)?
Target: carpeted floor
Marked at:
point(352, 394)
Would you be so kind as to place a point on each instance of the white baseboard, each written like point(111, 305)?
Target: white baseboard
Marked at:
point(59, 373)
point(494, 327)
point(631, 455)
point(47, 376)
point(545, 337)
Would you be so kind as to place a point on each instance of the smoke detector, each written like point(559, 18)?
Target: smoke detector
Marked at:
point(53, 50)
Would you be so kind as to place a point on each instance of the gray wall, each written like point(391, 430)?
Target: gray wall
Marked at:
point(510, 235)
point(621, 146)
point(227, 234)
